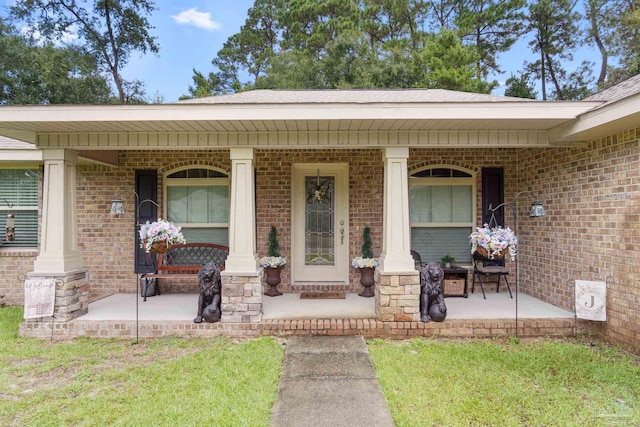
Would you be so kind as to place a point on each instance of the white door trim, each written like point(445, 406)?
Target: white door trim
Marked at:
point(340, 271)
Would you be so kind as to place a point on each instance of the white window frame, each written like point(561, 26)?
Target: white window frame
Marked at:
point(190, 182)
point(5, 209)
point(440, 181)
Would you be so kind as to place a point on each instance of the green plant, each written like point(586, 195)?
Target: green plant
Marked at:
point(448, 259)
point(366, 243)
point(274, 245)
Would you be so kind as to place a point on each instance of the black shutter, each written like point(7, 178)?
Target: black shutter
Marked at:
point(147, 189)
point(492, 194)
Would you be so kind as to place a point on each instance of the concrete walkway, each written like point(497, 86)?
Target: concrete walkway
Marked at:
point(329, 381)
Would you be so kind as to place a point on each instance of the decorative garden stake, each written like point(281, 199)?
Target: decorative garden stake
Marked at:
point(273, 264)
point(367, 265)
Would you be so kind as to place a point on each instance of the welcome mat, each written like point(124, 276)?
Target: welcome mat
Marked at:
point(322, 295)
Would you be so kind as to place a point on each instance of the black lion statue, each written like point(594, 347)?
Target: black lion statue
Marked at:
point(432, 306)
point(209, 299)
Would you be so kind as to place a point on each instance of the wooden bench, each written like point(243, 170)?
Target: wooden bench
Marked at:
point(184, 262)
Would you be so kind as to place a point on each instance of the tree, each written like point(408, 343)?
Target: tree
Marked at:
point(111, 29)
point(449, 64)
point(492, 26)
point(330, 44)
point(520, 87)
point(624, 39)
point(32, 73)
point(553, 25)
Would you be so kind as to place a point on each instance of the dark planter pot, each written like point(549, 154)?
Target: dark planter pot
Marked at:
point(273, 280)
point(367, 279)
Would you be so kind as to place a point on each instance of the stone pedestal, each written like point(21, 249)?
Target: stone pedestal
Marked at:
point(241, 300)
point(398, 297)
point(72, 293)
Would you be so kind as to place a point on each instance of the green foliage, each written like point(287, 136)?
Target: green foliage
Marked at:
point(45, 74)
point(111, 29)
point(274, 245)
point(555, 35)
point(520, 87)
point(367, 252)
point(505, 383)
point(448, 258)
point(177, 381)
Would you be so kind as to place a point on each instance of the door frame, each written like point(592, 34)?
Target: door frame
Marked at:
point(300, 273)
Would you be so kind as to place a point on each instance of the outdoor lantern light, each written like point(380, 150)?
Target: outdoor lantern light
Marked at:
point(537, 209)
point(117, 207)
point(11, 228)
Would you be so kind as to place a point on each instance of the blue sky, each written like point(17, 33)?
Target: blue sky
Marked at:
point(191, 33)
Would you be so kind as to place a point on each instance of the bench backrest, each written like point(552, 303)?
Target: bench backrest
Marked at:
point(189, 257)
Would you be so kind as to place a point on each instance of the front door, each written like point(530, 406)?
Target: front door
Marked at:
point(320, 226)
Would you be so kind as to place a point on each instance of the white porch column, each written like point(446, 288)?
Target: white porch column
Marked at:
point(396, 239)
point(59, 252)
point(242, 259)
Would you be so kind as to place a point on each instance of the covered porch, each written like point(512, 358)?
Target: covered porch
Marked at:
point(288, 315)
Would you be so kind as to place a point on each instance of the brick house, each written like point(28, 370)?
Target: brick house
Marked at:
point(419, 167)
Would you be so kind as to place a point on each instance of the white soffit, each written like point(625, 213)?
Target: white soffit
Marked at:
point(521, 115)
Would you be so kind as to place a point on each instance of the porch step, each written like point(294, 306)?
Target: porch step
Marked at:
point(320, 287)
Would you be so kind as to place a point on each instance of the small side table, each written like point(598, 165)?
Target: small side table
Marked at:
point(460, 273)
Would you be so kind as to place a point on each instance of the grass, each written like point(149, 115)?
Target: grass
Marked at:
point(194, 382)
point(507, 383)
point(160, 382)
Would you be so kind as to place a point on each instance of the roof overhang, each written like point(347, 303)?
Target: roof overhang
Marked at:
point(608, 119)
point(475, 121)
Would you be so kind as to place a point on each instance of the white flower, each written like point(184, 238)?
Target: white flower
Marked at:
point(360, 262)
point(160, 231)
point(272, 261)
point(494, 240)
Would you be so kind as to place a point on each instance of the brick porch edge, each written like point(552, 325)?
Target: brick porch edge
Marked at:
point(369, 328)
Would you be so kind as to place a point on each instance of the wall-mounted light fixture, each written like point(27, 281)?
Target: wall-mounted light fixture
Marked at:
point(10, 225)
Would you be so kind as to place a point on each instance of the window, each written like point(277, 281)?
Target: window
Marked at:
point(442, 210)
point(198, 200)
point(19, 188)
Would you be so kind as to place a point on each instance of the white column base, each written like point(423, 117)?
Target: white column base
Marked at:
point(241, 265)
point(57, 264)
point(397, 263)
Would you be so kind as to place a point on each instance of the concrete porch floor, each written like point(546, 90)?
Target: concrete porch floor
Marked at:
point(182, 307)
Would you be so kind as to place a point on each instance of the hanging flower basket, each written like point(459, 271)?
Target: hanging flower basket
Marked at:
point(494, 243)
point(157, 247)
point(497, 255)
point(159, 236)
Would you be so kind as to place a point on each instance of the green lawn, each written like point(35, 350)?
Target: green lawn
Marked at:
point(216, 382)
point(161, 382)
point(507, 383)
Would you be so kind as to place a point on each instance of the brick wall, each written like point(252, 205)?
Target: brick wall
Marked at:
point(107, 242)
point(14, 266)
point(592, 228)
point(273, 193)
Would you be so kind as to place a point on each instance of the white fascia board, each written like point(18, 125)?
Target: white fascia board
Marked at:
point(21, 156)
point(190, 112)
point(618, 116)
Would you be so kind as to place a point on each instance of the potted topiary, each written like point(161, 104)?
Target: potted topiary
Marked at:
point(366, 264)
point(447, 260)
point(272, 264)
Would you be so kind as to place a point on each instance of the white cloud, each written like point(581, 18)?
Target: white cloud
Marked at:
point(66, 38)
point(198, 19)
